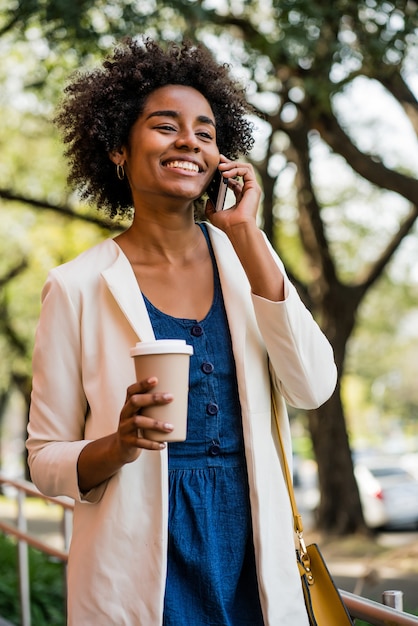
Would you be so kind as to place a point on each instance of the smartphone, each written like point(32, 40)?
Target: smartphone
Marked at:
point(217, 190)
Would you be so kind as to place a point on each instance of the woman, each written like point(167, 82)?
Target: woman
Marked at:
point(193, 533)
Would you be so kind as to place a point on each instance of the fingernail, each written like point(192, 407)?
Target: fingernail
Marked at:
point(167, 396)
point(168, 426)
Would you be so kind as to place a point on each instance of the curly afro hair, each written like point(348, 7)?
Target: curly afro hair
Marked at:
point(101, 106)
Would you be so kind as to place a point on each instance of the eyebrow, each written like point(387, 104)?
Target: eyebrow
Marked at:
point(200, 118)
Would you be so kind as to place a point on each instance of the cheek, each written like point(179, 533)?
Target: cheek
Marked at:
point(214, 157)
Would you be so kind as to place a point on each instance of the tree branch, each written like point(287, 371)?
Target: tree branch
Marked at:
point(368, 167)
point(378, 174)
point(63, 210)
point(311, 226)
point(12, 273)
point(376, 270)
point(396, 85)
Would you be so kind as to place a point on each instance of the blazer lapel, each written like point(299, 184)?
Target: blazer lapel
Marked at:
point(234, 283)
point(122, 283)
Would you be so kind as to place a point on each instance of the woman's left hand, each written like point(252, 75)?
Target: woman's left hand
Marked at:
point(242, 181)
point(240, 225)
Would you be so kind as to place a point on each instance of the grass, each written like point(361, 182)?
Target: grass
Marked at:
point(46, 586)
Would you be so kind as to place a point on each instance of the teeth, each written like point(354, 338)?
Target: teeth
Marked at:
point(184, 165)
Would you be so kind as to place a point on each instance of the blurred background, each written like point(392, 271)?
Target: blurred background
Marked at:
point(336, 84)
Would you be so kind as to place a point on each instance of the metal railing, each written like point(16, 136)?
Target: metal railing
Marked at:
point(23, 488)
point(370, 611)
point(375, 613)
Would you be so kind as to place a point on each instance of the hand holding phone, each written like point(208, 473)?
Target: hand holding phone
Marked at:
point(217, 191)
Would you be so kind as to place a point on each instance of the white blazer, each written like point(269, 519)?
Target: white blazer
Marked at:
point(92, 313)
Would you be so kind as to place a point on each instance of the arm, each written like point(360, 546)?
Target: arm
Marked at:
point(239, 223)
point(61, 459)
point(58, 404)
point(301, 357)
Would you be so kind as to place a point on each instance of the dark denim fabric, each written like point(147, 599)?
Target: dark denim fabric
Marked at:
point(211, 579)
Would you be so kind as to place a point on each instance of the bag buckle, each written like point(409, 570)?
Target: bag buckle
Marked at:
point(306, 561)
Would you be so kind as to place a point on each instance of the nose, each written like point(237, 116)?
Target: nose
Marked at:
point(187, 140)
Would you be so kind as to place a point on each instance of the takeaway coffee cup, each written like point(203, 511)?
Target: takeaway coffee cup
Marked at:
point(168, 360)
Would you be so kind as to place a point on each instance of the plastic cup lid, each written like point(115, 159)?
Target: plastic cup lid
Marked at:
point(162, 346)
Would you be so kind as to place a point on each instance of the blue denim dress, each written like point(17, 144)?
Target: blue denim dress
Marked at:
point(211, 578)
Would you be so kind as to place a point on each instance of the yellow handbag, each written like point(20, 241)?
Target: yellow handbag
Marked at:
point(324, 605)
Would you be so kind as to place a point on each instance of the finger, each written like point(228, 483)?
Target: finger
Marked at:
point(148, 444)
point(143, 434)
point(235, 186)
point(236, 168)
point(136, 404)
point(140, 401)
point(141, 386)
point(144, 423)
point(239, 173)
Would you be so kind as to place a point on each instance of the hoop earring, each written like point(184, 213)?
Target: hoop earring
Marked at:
point(120, 172)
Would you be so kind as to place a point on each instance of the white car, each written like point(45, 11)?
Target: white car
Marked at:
point(388, 493)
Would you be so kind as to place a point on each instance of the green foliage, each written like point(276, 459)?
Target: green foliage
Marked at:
point(31, 239)
point(47, 586)
point(44, 241)
point(382, 353)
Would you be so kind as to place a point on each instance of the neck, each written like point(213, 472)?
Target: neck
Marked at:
point(152, 240)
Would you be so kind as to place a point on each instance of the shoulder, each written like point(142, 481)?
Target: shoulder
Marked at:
point(83, 273)
point(98, 257)
point(89, 263)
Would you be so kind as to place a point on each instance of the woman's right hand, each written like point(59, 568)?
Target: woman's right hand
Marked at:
point(133, 419)
point(102, 458)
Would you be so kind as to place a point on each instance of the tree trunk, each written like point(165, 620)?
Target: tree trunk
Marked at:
point(339, 508)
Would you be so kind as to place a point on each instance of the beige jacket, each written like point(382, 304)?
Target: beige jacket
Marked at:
point(93, 312)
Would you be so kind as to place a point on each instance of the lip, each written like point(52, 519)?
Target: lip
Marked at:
point(183, 160)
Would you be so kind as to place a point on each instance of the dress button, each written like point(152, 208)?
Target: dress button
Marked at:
point(207, 367)
point(197, 330)
point(214, 449)
point(212, 408)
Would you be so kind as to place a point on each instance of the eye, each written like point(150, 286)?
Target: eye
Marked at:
point(166, 127)
point(205, 134)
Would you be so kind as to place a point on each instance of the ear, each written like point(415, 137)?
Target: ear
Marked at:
point(118, 156)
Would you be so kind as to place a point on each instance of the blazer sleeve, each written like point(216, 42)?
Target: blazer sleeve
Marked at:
point(58, 403)
point(301, 357)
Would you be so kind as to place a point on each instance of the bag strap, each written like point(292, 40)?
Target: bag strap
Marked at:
point(297, 518)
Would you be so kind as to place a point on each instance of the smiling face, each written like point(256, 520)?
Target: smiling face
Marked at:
point(172, 151)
